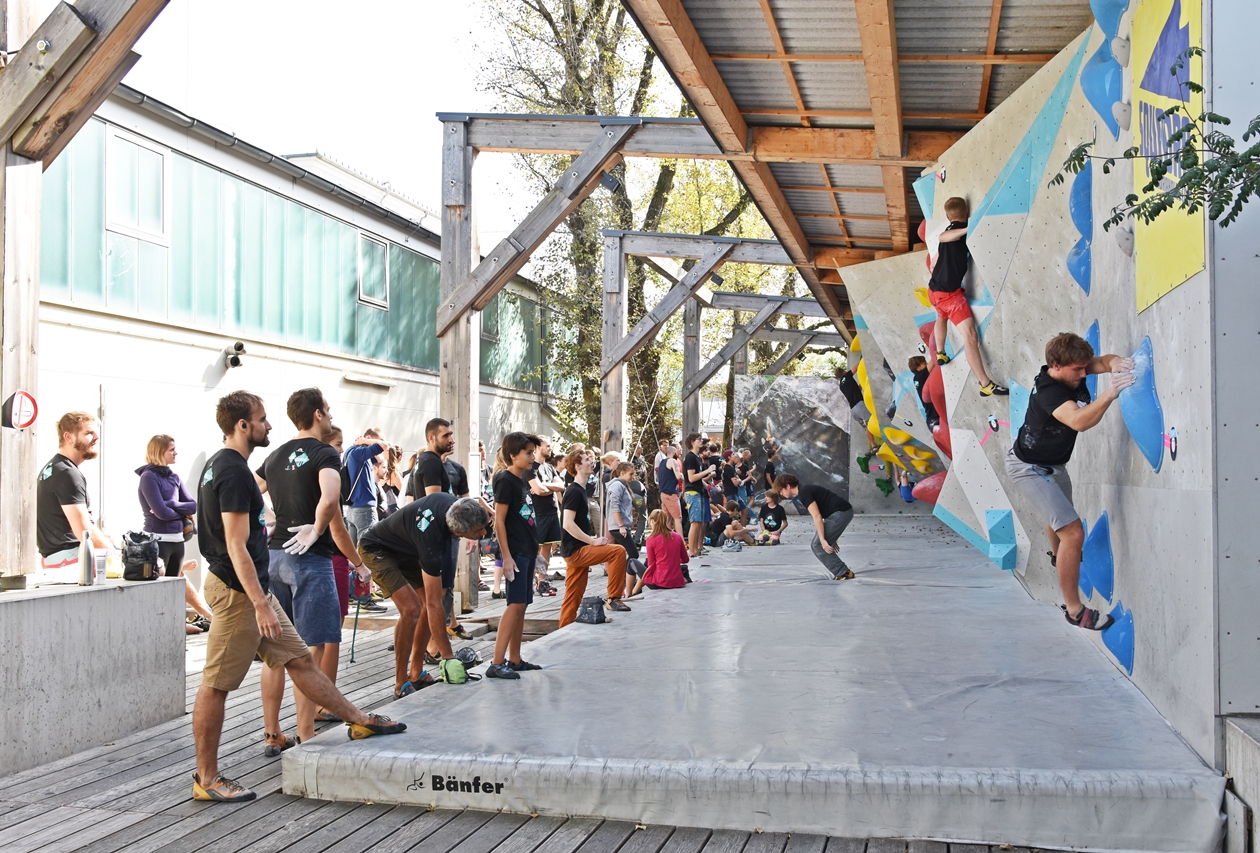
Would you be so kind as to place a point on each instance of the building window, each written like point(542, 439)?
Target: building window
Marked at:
point(136, 181)
point(490, 319)
point(373, 271)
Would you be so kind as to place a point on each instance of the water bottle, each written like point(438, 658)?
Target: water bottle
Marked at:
point(87, 561)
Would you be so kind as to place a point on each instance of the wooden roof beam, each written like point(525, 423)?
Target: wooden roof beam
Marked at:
point(835, 146)
point(989, 58)
point(995, 21)
point(878, 31)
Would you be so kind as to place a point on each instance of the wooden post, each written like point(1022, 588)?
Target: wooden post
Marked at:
point(741, 361)
point(789, 353)
point(459, 347)
point(19, 334)
point(691, 365)
point(613, 385)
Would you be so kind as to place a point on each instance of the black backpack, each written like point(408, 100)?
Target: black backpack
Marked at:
point(140, 556)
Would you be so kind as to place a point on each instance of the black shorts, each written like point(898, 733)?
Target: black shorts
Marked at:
point(627, 542)
point(547, 529)
point(520, 589)
point(448, 565)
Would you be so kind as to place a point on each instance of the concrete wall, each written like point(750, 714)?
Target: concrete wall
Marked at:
point(86, 665)
point(1042, 263)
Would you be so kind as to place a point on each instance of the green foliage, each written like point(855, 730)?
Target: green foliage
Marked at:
point(1214, 174)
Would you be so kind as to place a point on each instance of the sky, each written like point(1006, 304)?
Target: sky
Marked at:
point(362, 87)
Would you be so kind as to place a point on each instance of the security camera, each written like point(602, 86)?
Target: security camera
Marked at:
point(232, 354)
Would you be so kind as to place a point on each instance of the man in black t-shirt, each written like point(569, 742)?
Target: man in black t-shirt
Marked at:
point(409, 551)
point(430, 475)
point(545, 485)
point(694, 473)
point(772, 467)
point(63, 508)
point(518, 546)
point(831, 515)
point(580, 547)
point(248, 619)
point(1058, 409)
point(945, 291)
point(303, 478)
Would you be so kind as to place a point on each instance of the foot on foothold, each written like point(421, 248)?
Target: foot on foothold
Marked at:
point(942, 358)
point(375, 725)
point(221, 790)
point(501, 670)
point(847, 575)
point(1091, 620)
point(274, 744)
point(994, 389)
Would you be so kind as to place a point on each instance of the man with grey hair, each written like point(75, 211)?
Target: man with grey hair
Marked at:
point(407, 552)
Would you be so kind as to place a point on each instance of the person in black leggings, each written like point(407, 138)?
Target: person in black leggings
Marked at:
point(167, 505)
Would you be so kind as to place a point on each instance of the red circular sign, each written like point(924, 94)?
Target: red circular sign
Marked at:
point(25, 410)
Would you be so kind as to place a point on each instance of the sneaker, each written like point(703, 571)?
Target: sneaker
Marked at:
point(1091, 620)
point(458, 631)
point(501, 670)
point(994, 389)
point(521, 666)
point(430, 660)
point(374, 607)
point(942, 358)
point(847, 576)
point(482, 586)
point(498, 595)
point(618, 605)
point(375, 725)
point(221, 790)
point(276, 744)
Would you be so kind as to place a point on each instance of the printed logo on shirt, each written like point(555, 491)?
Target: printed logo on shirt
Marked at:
point(46, 473)
point(423, 520)
point(262, 516)
point(208, 476)
point(297, 459)
point(527, 510)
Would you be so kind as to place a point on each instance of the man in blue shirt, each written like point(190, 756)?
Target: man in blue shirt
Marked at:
point(360, 509)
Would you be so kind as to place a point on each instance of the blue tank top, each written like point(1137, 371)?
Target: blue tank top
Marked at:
point(666, 481)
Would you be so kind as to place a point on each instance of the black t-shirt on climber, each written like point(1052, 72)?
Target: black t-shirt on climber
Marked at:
point(1044, 439)
point(828, 501)
point(951, 263)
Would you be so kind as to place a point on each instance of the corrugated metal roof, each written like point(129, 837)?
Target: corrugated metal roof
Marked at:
point(758, 85)
point(863, 204)
point(1041, 26)
point(798, 174)
point(803, 202)
point(817, 26)
point(730, 26)
point(942, 26)
point(941, 87)
point(855, 176)
point(865, 228)
point(1005, 80)
point(832, 85)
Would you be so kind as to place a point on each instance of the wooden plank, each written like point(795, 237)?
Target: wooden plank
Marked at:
point(895, 189)
point(453, 833)
point(847, 146)
point(740, 336)
point(241, 828)
point(792, 351)
point(134, 833)
point(918, 845)
point(791, 336)
point(669, 29)
point(802, 842)
point(726, 841)
point(651, 839)
point(53, 827)
point(41, 61)
point(395, 830)
point(570, 835)
point(623, 349)
point(531, 834)
point(494, 271)
point(103, 824)
point(968, 848)
point(118, 25)
point(492, 834)
point(986, 78)
point(846, 845)
point(767, 842)
point(144, 837)
point(647, 244)
point(353, 820)
point(38, 820)
point(691, 365)
point(22, 813)
point(886, 845)
point(552, 135)
point(837, 258)
point(686, 839)
point(612, 396)
point(292, 834)
point(608, 838)
point(796, 306)
point(94, 100)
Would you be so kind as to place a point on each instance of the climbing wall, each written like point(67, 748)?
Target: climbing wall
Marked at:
point(1042, 264)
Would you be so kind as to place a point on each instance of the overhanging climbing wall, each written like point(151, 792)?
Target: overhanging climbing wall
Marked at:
point(1043, 264)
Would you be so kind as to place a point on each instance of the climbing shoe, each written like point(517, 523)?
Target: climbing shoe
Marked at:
point(521, 665)
point(1091, 620)
point(221, 790)
point(276, 744)
point(501, 670)
point(994, 389)
point(375, 725)
point(847, 575)
point(942, 358)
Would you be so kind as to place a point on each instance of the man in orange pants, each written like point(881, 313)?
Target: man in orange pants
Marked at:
point(580, 548)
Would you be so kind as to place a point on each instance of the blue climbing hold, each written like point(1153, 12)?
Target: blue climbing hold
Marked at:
point(1019, 407)
point(1098, 568)
point(1080, 263)
point(1080, 201)
point(1092, 338)
point(1139, 404)
point(1108, 13)
point(1103, 85)
point(925, 192)
point(1119, 637)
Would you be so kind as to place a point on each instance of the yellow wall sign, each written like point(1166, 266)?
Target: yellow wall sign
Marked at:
point(1171, 249)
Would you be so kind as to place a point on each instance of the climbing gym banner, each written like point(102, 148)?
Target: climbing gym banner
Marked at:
point(1171, 249)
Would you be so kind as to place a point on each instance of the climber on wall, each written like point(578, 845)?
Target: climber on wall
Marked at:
point(1059, 408)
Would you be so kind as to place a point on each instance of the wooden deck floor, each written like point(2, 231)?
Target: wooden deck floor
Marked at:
point(134, 795)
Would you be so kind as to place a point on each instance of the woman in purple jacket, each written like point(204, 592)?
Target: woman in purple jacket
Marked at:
point(165, 501)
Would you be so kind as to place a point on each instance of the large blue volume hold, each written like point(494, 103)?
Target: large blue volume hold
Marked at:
point(1139, 404)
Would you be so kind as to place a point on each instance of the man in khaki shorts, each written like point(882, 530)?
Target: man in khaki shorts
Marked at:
point(247, 618)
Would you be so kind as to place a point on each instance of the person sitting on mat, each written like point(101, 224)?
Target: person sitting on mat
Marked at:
point(831, 514)
point(666, 554)
point(773, 519)
point(736, 530)
point(408, 551)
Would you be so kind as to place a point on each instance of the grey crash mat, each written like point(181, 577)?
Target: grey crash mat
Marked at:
point(929, 698)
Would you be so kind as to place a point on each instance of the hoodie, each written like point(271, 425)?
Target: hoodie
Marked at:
point(164, 499)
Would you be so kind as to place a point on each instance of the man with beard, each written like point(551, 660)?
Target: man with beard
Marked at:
point(430, 474)
point(63, 508)
point(1060, 407)
point(303, 477)
point(248, 620)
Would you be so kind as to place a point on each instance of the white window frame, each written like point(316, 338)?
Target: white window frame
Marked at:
point(498, 319)
point(372, 300)
point(112, 133)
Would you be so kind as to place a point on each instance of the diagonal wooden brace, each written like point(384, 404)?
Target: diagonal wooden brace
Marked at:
point(46, 56)
point(739, 338)
point(494, 271)
point(652, 321)
point(792, 351)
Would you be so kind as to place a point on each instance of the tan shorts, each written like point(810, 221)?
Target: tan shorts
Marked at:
point(671, 505)
point(234, 637)
point(390, 573)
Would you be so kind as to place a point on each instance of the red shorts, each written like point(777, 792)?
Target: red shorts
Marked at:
point(952, 305)
point(672, 507)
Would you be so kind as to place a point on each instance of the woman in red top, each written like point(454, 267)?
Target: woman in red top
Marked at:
point(666, 554)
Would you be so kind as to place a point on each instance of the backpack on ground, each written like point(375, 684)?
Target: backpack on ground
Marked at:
point(452, 671)
point(592, 610)
point(140, 556)
point(733, 546)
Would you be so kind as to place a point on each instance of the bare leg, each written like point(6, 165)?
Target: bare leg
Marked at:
point(939, 331)
point(192, 598)
point(971, 342)
point(305, 706)
point(436, 617)
point(207, 723)
point(308, 678)
point(332, 657)
point(1071, 540)
point(509, 633)
point(272, 688)
point(696, 541)
point(408, 604)
point(1054, 541)
point(422, 639)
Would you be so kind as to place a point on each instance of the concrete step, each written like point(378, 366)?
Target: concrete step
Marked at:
point(1242, 763)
